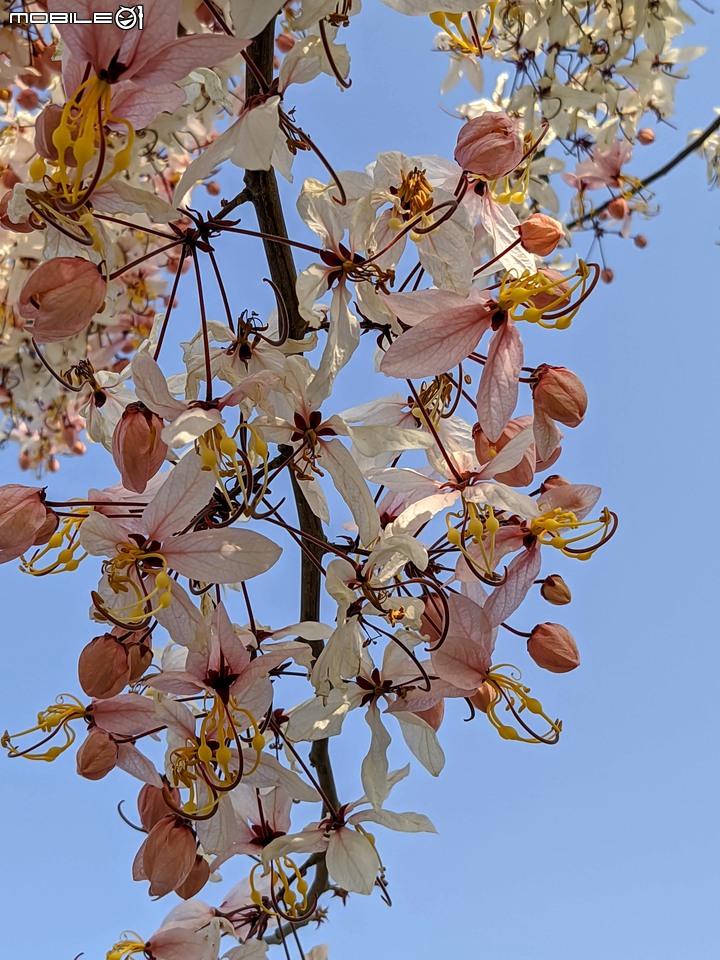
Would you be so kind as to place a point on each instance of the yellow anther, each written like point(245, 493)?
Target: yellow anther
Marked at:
point(37, 169)
point(258, 742)
point(228, 446)
point(162, 580)
point(204, 753)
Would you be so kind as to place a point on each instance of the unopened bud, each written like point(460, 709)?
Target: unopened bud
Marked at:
point(640, 241)
point(486, 695)
point(213, 188)
point(607, 275)
point(489, 145)
point(552, 647)
point(646, 136)
point(540, 234)
point(285, 42)
point(559, 393)
point(103, 667)
point(137, 447)
point(555, 590)
point(618, 208)
point(97, 756)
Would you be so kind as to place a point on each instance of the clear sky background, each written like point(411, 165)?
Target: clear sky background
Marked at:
point(604, 846)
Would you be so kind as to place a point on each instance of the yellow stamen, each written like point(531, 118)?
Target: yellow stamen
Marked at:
point(65, 537)
point(512, 692)
point(123, 949)
point(56, 718)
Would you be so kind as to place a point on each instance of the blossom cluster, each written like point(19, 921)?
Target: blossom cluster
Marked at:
point(424, 270)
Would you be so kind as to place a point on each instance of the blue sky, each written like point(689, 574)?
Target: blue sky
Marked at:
point(603, 846)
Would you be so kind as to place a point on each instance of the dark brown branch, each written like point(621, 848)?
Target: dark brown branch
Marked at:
point(261, 189)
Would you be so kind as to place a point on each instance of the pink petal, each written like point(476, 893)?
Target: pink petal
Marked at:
point(221, 556)
point(498, 389)
point(438, 343)
point(463, 659)
point(521, 573)
point(186, 491)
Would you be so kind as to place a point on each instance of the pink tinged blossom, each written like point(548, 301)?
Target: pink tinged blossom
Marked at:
point(463, 658)
point(25, 521)
point(553, 648)
point(137, 446)
point(559, 394)
point(579, 498)
point(540, 234)
point(439, 342)
point(61, 297)
point(150, 58)
point(182, 943)
point(498, 388)
point(489, 146)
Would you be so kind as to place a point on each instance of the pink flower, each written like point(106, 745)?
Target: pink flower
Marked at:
point(141, 65)
point(61, 297)
point(136, 581)
point(25, 521)
point(489, 146)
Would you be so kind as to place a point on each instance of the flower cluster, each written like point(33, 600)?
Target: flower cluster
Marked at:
point(426, 270)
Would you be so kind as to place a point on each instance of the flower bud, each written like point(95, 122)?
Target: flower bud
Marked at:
point(559, 393)
point(285, 42)
point(139, 659)
point(137, 447)
point(104, 667)
point(640, 241)
point(25, 521)
point(97, 756)
point(486, 695)
point(489, 145)
point(152, 806)
point(540, 234)
point(618, 208)
point(552, 647)
point(27, 99)
point(607, 275)
point(555, 590)
point(646, 136)
point(61, 297)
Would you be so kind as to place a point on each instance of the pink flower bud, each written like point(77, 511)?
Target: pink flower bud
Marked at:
point(25, 521)
point(61, 297)
point(486, 695)
point(28, 99)
point(607, 275)
point(139, 659)
point(618, 208)
point(540, 234)
point(555, 590)
point(557, 297)
point(646, 136)
point(152, 806)
point(137, 448)
point(104, 667)
point(285, 42)
point(552, 647)
point(489, 146)
point(559, 393)
point(97, 756)
point(640, 241)
point(46, 124)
